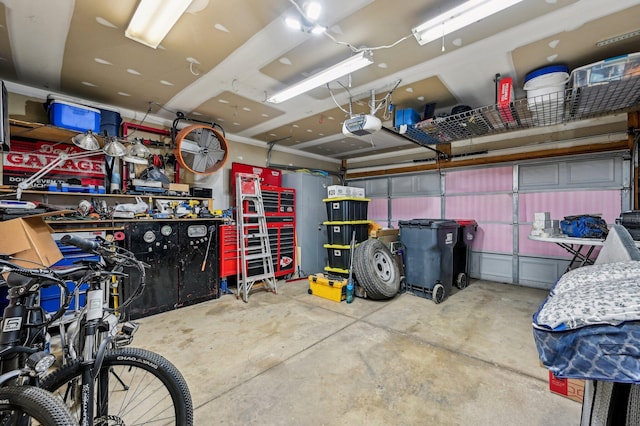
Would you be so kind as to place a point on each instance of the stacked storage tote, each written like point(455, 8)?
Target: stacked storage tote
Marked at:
point(347, 212)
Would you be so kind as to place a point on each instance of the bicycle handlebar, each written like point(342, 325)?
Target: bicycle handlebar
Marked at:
point(48, 274)
point(114, 258)
point(110, 253)
point(83, 244)
point(41, 276)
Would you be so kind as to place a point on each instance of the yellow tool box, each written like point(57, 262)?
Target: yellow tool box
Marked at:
point(329, 288)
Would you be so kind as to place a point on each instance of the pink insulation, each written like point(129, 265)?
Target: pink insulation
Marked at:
point(567, 203)
point(482, 208)
point(494, 238)
point(415, 208)
point(378, 209)
point(495, 179)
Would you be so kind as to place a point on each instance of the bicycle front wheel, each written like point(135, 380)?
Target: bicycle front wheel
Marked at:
point(29, 405)
point(134, 386)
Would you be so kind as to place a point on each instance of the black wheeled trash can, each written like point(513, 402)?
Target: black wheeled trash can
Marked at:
point(428, 256)
point(462, 251)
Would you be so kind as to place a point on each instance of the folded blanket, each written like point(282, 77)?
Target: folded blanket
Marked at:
point(596, 294)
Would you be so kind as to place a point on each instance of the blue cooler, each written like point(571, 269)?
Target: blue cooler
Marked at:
point(74, 116)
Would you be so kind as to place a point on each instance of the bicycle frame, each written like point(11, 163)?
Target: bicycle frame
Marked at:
point(23, 355)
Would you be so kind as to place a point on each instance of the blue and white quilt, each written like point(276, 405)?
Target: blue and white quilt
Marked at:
point(589, 325)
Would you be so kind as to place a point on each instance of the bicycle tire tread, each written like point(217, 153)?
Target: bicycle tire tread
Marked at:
point(142, 358)
point(37, 403)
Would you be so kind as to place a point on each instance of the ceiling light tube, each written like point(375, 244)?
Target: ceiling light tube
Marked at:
point(618, 38)
point(341, 69)
point(459, 17)
point(153, 19)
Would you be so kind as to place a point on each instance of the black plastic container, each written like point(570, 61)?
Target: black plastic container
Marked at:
point(340, 232)
point(346, 209)
point(339, 256)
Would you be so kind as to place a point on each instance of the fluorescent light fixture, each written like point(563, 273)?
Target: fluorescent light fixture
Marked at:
point(343, 68)
point(618, 38)
point(153, 19)
point(459, 17)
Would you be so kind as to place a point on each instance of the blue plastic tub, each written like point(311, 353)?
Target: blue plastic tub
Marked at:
point(406, 116)
point(74, 116)
point(50, 297)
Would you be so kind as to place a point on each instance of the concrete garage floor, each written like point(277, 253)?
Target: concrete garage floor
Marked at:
point(297, 359)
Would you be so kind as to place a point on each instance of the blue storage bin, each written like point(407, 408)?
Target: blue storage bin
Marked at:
point(399, 118)
point(74, 116)
point(70, 259)
point(86, 189)
point(50, 297)
point(406, 116)
point(411, 116)
point(72, 254)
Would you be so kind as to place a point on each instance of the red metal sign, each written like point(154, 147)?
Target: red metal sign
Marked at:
point(26, 158)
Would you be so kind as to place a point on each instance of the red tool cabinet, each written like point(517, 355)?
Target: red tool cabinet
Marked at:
point(282, 242)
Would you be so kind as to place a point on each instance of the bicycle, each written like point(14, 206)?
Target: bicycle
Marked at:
point(100, 381)
point(21, 401)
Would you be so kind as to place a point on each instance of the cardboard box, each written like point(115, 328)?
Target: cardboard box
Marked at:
point(356, 192)
point(570, 388)
point(29, 239)
point(178, 187)
point(385, 232)
point(387, 236)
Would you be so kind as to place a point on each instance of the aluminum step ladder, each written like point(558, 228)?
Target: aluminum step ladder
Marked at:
point(253, 238)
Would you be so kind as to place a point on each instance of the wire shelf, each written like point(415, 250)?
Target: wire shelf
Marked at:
point(553, 108)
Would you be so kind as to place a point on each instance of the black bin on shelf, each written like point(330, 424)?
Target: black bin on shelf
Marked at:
point(346, 208)
point(462, 251)
point(428, 256)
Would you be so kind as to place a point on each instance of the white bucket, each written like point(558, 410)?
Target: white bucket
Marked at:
point(545, 97)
